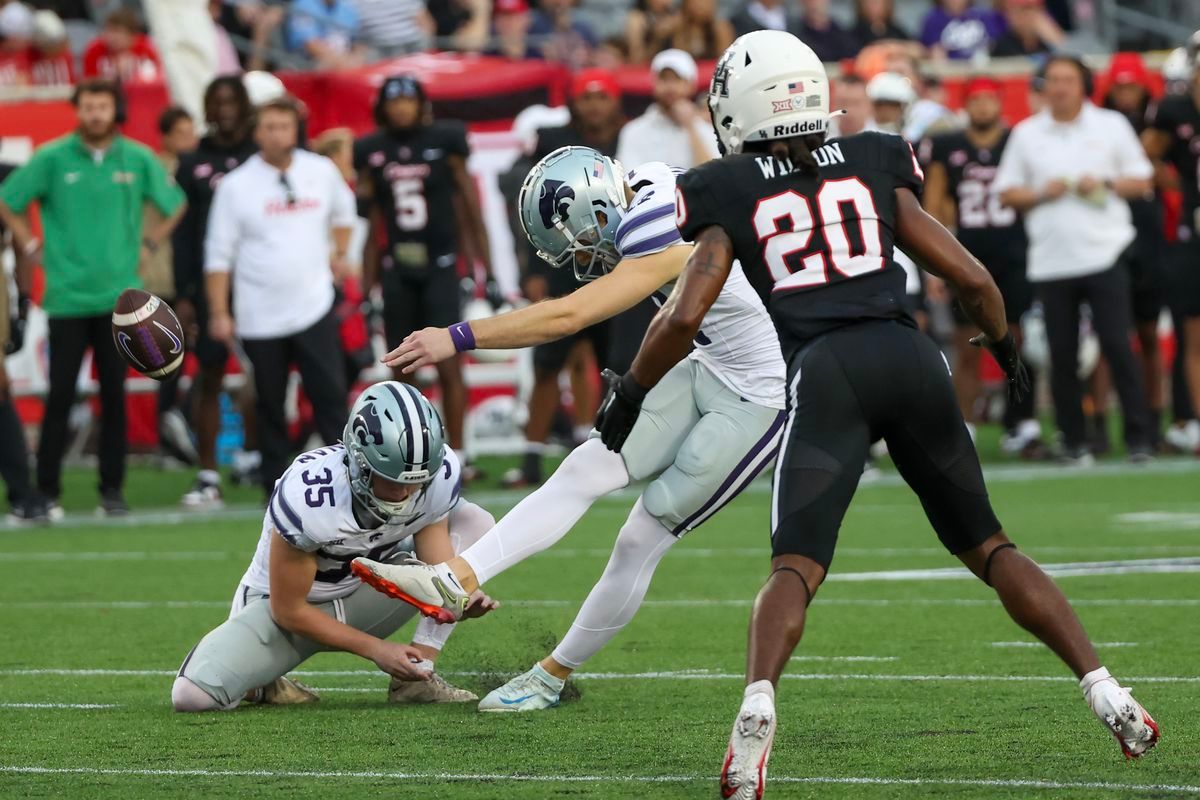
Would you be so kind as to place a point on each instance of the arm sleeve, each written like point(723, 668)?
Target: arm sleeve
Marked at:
point(1131, 157)
point(1012, 173)
point(159, 187)
point(28, 183)
point(220, 241)
point(696, 206)
point(456, 141)
point(900, 161)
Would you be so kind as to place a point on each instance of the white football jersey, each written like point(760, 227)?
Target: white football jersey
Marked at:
point(737, 340)
point(312, 508)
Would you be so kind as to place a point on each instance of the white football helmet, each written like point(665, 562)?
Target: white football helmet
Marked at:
point(767, 85)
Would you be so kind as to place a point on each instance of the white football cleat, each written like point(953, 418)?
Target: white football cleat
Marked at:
point(1135, 730)
point(434, 690)
point(431, 589)
point(530, 691)
point(744, 774)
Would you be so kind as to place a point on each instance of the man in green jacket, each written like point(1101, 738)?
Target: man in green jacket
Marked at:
point(91, 185)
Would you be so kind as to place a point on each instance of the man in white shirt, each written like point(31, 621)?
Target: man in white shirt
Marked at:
point(270, 225)
point(673, 129)
point(1070, 170)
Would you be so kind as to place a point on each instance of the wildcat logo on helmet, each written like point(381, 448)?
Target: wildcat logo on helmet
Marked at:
point(554, 200)
point(367, 427)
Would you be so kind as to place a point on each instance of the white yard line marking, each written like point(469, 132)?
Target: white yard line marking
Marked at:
point(1013, 783)
point(1171, 520)
point(1040, 645)
point(677, 675)
point(1066, 570)
point(59, 705)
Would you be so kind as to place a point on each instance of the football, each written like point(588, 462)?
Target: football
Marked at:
point(147, 334)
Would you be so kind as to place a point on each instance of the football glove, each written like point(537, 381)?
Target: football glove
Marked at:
point(620, 409)
point(1009, 358)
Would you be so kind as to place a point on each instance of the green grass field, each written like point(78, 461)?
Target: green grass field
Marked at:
point(905, 687)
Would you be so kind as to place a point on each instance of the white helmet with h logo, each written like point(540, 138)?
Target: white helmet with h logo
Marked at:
point(768, 85)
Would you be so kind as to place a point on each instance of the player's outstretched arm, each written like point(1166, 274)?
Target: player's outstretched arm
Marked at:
point(632, 281)
point(669, 336)
point(292, 573)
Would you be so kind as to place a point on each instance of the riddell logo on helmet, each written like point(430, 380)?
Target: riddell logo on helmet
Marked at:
point(797, 128)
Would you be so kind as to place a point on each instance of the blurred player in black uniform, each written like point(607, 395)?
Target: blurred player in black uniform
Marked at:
point(413, 183)
point(1172, 136)
point(959, 170)
point(229, 142)
point(813, 225)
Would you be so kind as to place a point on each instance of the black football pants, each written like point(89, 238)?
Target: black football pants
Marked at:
point(1108, 295)
point(317, 353)
point(70, 337)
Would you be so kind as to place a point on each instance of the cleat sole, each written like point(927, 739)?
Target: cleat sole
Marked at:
point(384, 586)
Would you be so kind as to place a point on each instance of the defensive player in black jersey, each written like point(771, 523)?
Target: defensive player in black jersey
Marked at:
point(959, 168)
point(413, 183)
point(229, 142)
point(1173, 136)
point(813, 225)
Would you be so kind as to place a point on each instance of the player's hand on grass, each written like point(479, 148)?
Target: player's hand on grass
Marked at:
point(1008, 356)
point(399, 661)
point(620, 409)
point(421, 348)
point(479, 605)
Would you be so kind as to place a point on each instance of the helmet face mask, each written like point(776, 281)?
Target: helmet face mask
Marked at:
point(570, 206)
point(395, 433)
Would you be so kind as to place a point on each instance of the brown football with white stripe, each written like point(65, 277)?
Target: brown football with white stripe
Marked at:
point(147, 334)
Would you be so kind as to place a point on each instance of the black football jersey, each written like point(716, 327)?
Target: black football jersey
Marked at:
point(818, 250)
point(1178, 116)
point(198, 174)
point(413, 183)
point(989, 229)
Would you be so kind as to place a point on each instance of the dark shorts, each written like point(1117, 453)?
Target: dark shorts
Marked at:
point(1183, 278)
point(1014, 288)
point(848, 389)
point(427, 299)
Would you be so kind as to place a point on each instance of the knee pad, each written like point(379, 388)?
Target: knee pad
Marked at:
point(188, 697)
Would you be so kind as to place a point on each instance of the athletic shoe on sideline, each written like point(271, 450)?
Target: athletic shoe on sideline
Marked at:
point(434, 690)
point(205, 495)
point(54, 510)
point(112, 504)
point(1134, 729)
point(530, 691)
point(34, 510)
point(432, 590)
point(1184, 438)
point(176, 438)
point(744, 774)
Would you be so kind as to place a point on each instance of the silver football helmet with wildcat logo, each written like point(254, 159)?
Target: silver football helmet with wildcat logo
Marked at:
point(570, 205)
point(393, 432)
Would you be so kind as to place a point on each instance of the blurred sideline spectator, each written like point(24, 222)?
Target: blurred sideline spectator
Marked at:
point(818, 30)
point(611, 53)
point(596, 120)
point(673, 129)
point(649, 26)
point(229, 118)
point(891, 95)
point(1070, 170)
point(25, 504)
point(90, 186)
point(875, 21)
point(510, 21)
point(850, 96)
point(759, 15)
point(1128, 93)
point(51, 61)
point(559, 37)
point(394, 27)
point(228, 61)
point(702, 32)
point(1031, 31)
point(928, 114)
point(958, 29)
point(327, 31)
point(122, 52)
point(464, 23)
point(254, 20)
point(16, 35)
point(270, 225)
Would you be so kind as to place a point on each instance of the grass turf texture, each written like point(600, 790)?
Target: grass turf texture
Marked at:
point(137, 598)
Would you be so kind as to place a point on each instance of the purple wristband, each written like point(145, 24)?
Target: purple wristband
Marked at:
point(462, 336)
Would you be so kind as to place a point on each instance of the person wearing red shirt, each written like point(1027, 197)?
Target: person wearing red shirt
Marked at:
point(16, 27)
point(50, 61)
point(121, 51)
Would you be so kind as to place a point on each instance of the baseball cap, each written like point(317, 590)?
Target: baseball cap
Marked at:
point(678, 61)
point(509, 6)
point(1127, 68)
point(16, 21)
point(981, 84)
point(594, 80)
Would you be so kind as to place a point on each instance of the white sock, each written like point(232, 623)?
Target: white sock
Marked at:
point(760, 687)
point(430, 633)
point(209, 476)
point(618, 594)
point(541, 519)
point(1094, 677)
